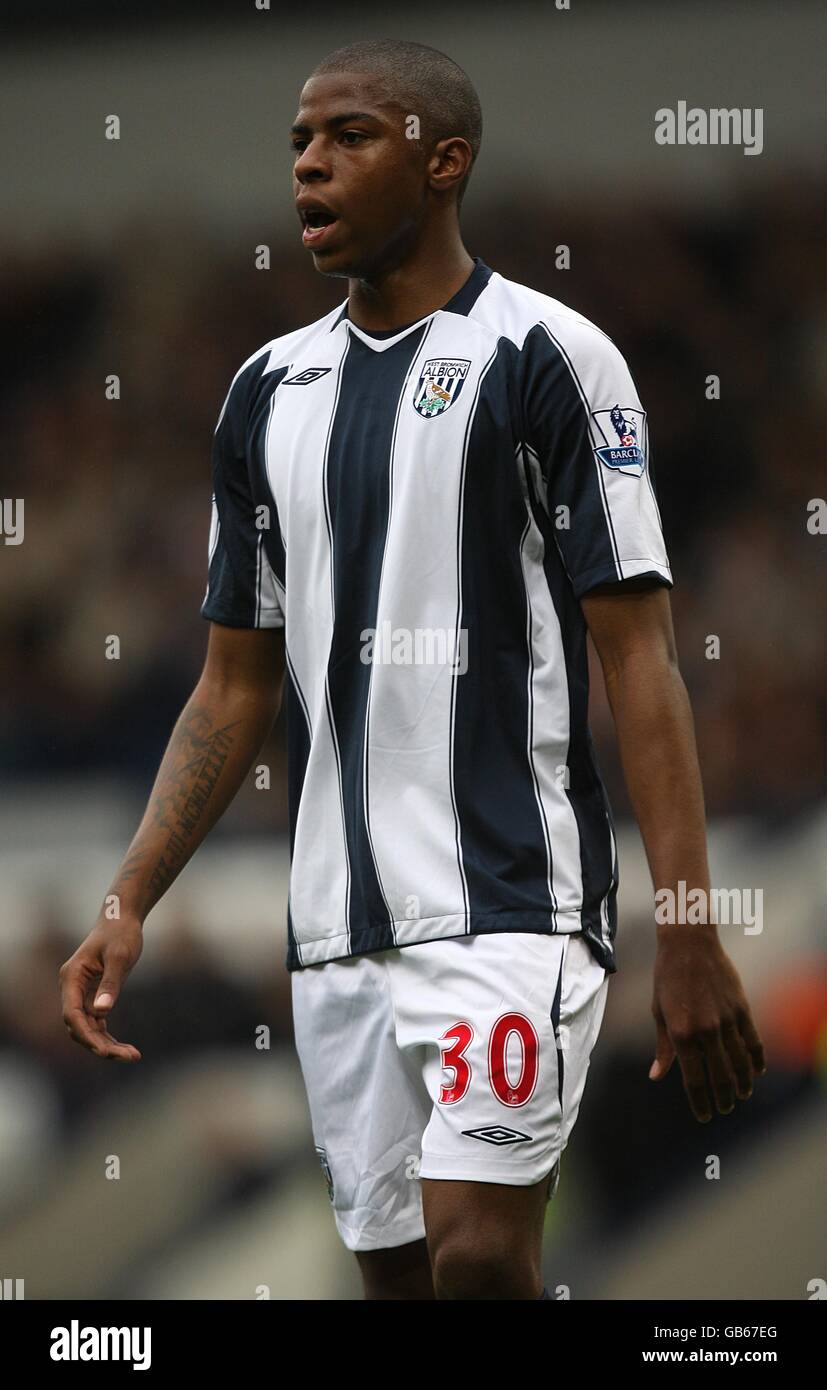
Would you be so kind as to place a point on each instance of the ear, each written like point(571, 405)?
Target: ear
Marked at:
point(450, 161)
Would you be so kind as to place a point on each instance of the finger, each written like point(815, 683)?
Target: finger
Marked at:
point(720, 1075)
point(739, 1060)
point(753, 1043)
point(690, 1059)
point(80, 1031)
point(664, 1052)
point(110, 986)
point(74, 1015)
point(112, 1048)
point(120, 1052)
point(90, 1032)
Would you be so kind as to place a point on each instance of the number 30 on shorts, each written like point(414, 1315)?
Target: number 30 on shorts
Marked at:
point(455, 1042)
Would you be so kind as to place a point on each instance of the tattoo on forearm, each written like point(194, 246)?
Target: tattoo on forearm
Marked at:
point(132, 865)
point(183, 798)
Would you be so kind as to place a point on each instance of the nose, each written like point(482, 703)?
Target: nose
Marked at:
point(310, 165)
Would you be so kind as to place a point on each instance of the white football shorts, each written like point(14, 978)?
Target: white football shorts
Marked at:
point(463, 1058)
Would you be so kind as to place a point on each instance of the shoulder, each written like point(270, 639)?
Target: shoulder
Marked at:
point(545, 331)
point(270, 357)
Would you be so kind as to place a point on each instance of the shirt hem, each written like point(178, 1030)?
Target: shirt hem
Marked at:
point(303, 955)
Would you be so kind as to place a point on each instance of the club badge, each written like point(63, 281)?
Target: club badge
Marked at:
point(440, 382)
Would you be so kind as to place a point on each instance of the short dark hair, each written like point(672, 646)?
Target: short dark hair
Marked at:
point(422, 81)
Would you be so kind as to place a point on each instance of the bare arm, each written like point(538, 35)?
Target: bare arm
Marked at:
point(212, 747)
point(699, 1005)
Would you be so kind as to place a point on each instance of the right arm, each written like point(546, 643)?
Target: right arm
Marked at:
point(218, 734)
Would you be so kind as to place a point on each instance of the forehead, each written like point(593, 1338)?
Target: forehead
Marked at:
point(331, 94)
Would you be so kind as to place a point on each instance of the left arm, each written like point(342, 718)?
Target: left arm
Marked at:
point(699, 1005)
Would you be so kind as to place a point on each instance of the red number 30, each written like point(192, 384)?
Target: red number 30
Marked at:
point(514, 1093)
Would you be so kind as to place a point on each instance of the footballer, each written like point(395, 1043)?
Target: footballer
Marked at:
point(424, 502)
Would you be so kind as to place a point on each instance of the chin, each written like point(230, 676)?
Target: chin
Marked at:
point(329, 265)
point(337, 264)
point(347, 262)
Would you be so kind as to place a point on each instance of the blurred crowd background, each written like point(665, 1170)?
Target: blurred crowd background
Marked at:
point(219, 1191)
point(117, 492)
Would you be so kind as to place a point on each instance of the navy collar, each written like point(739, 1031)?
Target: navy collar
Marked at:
point(468, 294)
point(460, 303)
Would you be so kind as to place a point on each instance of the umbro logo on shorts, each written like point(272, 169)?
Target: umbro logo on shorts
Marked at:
point(304, 378)
point(498, 1134)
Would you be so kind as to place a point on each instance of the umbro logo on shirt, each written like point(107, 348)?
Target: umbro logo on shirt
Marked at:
point(498, 1134)
point(304, 378)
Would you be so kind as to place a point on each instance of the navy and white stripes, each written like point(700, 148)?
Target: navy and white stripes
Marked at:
point(433, 493)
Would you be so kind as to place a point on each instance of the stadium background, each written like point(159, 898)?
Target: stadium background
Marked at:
point(136, 257)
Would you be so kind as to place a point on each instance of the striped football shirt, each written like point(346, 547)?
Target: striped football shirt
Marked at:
point(422, 511)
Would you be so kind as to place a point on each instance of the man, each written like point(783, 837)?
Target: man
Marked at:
point(431, 494)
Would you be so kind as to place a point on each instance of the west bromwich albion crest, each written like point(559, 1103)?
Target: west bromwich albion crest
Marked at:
point(440, 382)
point(628, 424)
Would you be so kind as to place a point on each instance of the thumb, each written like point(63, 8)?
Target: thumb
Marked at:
point(109, 987)
point(664, 1053)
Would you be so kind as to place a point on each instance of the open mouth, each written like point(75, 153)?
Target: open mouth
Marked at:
point(317, 224)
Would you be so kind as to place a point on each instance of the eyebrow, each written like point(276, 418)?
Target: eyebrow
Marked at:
point(333, 121)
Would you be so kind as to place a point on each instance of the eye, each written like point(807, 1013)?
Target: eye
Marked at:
point(353, 135)
point(297, 145)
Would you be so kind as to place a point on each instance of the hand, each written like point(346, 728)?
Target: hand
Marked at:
point(701, 1014)
point(91, 980)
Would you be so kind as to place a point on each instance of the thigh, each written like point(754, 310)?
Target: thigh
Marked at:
point(403, 1272)
point(485, 1240)
point(367, 1105)
point(505, 1024)
point(510, 1218)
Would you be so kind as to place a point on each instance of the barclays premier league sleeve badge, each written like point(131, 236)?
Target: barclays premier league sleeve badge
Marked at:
point(623, 433)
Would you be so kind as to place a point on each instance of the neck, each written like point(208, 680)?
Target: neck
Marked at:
point(425, 281)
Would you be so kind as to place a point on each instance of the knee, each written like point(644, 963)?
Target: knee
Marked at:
point(479, 1265)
